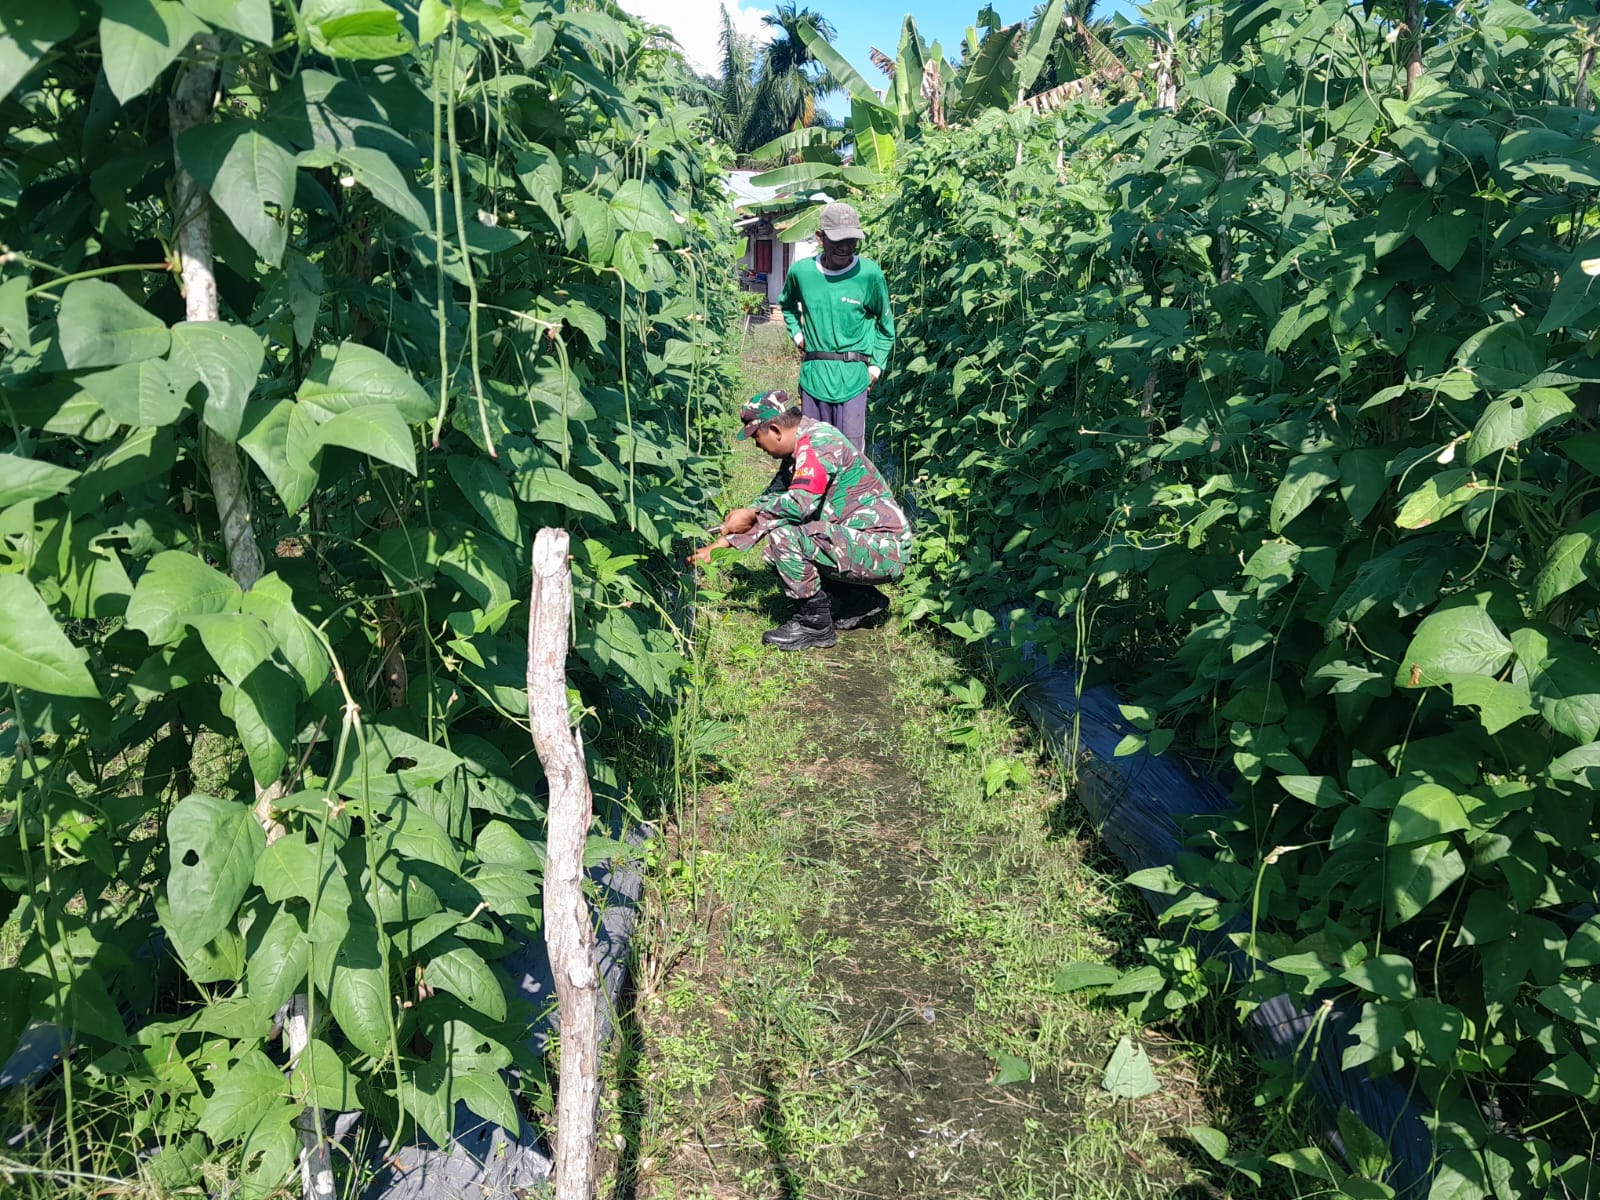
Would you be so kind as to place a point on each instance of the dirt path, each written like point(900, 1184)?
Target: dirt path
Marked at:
point(843, 978)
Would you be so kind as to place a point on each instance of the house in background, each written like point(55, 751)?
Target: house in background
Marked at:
point(759, 214)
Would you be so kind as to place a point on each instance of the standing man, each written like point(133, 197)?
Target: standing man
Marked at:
point(836, 308)
point(831, 525)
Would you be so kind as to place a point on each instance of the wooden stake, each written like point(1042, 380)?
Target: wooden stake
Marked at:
point(568, 926)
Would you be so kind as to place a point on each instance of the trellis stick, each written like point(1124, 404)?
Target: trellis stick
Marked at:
point(568, 927)
point(193, 98)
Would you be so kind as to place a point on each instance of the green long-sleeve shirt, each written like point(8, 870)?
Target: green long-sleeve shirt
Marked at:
point(838, 313)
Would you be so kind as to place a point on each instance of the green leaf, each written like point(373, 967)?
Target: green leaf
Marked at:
point(237, 643)
point(28, 28)
point(1425, 812)
point(249, 176)
point(1570, 1074)
point(1309, 1160)
point(1076, 976)
point(321, 1078)
point(1500, 703)
point(1011, 1069)
point(175, 588)
point(262, 708)
point(1564, 565)
point(272, 601)
point(1447, 236)
point(1459, 640)
point(141, 394)
point(29, 479)
point(1388, 975)
point(214, 845)
point(1319, 790)
point(1213, 1141)
point(1041, 40)
point(1362, 481)
point(280, 957)
point(1304, 480)
point(1516, 418)
point(249, 1094)
point(225, 358)
point(34, 653)
point(359, 1000)
point(378, 430)
point(355, 29)
point(352, 376)
point(377, 172)
point(1437, 498)
point(987, 80)
point(1414, 876)
point(844, 75)
point(485, 487)
point(873, 129)
point(433, 18)
point(552, 485)
point(1440, 1027)
point(250, 19)
point(14, 291)
point(1129, 1074)
point(461, 971)
point(1583, 948)
point(284, 444)
point(632, 256)
point(101, 327)
point(500, 843)
point(598, 225)
point(1365, 1151)
point(425, 1094)
point(139, 39)
point(1563, 680)
point(485, 1093)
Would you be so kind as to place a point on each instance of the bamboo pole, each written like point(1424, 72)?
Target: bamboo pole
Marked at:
point(568, 927)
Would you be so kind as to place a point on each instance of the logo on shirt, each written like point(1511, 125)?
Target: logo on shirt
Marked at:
point(850, 300)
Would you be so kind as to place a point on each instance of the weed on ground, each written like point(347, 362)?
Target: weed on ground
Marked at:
point(843, 982)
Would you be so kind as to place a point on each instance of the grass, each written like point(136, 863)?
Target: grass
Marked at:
point(851, 932)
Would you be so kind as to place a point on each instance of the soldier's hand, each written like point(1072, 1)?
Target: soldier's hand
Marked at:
point(701, 557)
point(740, 520)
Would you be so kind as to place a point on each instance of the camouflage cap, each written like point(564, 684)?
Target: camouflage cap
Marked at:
point(760, 410)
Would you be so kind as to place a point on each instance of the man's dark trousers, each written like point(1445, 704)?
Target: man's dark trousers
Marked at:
point(849, 417)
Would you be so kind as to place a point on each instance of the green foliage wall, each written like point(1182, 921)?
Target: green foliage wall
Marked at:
point(1279, 409)
point(471, 269)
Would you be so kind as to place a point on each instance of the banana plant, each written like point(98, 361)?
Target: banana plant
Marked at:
point(922, 86)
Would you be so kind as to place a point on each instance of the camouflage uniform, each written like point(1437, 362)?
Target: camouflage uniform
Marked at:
point(828, 514)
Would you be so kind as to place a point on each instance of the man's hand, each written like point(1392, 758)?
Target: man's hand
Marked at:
point(872, 374)
point(740, 520)
point(800, 340)
point(702, 556)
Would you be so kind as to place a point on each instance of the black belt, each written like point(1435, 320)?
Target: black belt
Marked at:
point(834, 356)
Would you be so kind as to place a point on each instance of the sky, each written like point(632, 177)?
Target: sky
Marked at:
point(861, 25)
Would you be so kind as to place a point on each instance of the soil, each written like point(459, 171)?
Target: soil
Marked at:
point(922, 1109)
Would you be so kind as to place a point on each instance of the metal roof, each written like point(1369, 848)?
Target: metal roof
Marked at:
point(746, 195)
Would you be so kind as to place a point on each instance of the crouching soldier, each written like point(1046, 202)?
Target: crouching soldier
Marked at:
point(831, 525)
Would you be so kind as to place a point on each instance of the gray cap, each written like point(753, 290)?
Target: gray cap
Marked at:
point(839, 222)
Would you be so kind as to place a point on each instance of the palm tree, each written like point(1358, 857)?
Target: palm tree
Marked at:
point(789, 78)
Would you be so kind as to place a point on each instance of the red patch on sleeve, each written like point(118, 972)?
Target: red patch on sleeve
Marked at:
point(809, 473)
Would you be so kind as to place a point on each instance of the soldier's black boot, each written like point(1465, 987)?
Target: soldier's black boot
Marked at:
point(854, 604)
point(811, 627)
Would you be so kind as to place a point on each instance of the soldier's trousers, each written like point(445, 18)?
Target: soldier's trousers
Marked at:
point(805, 555)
